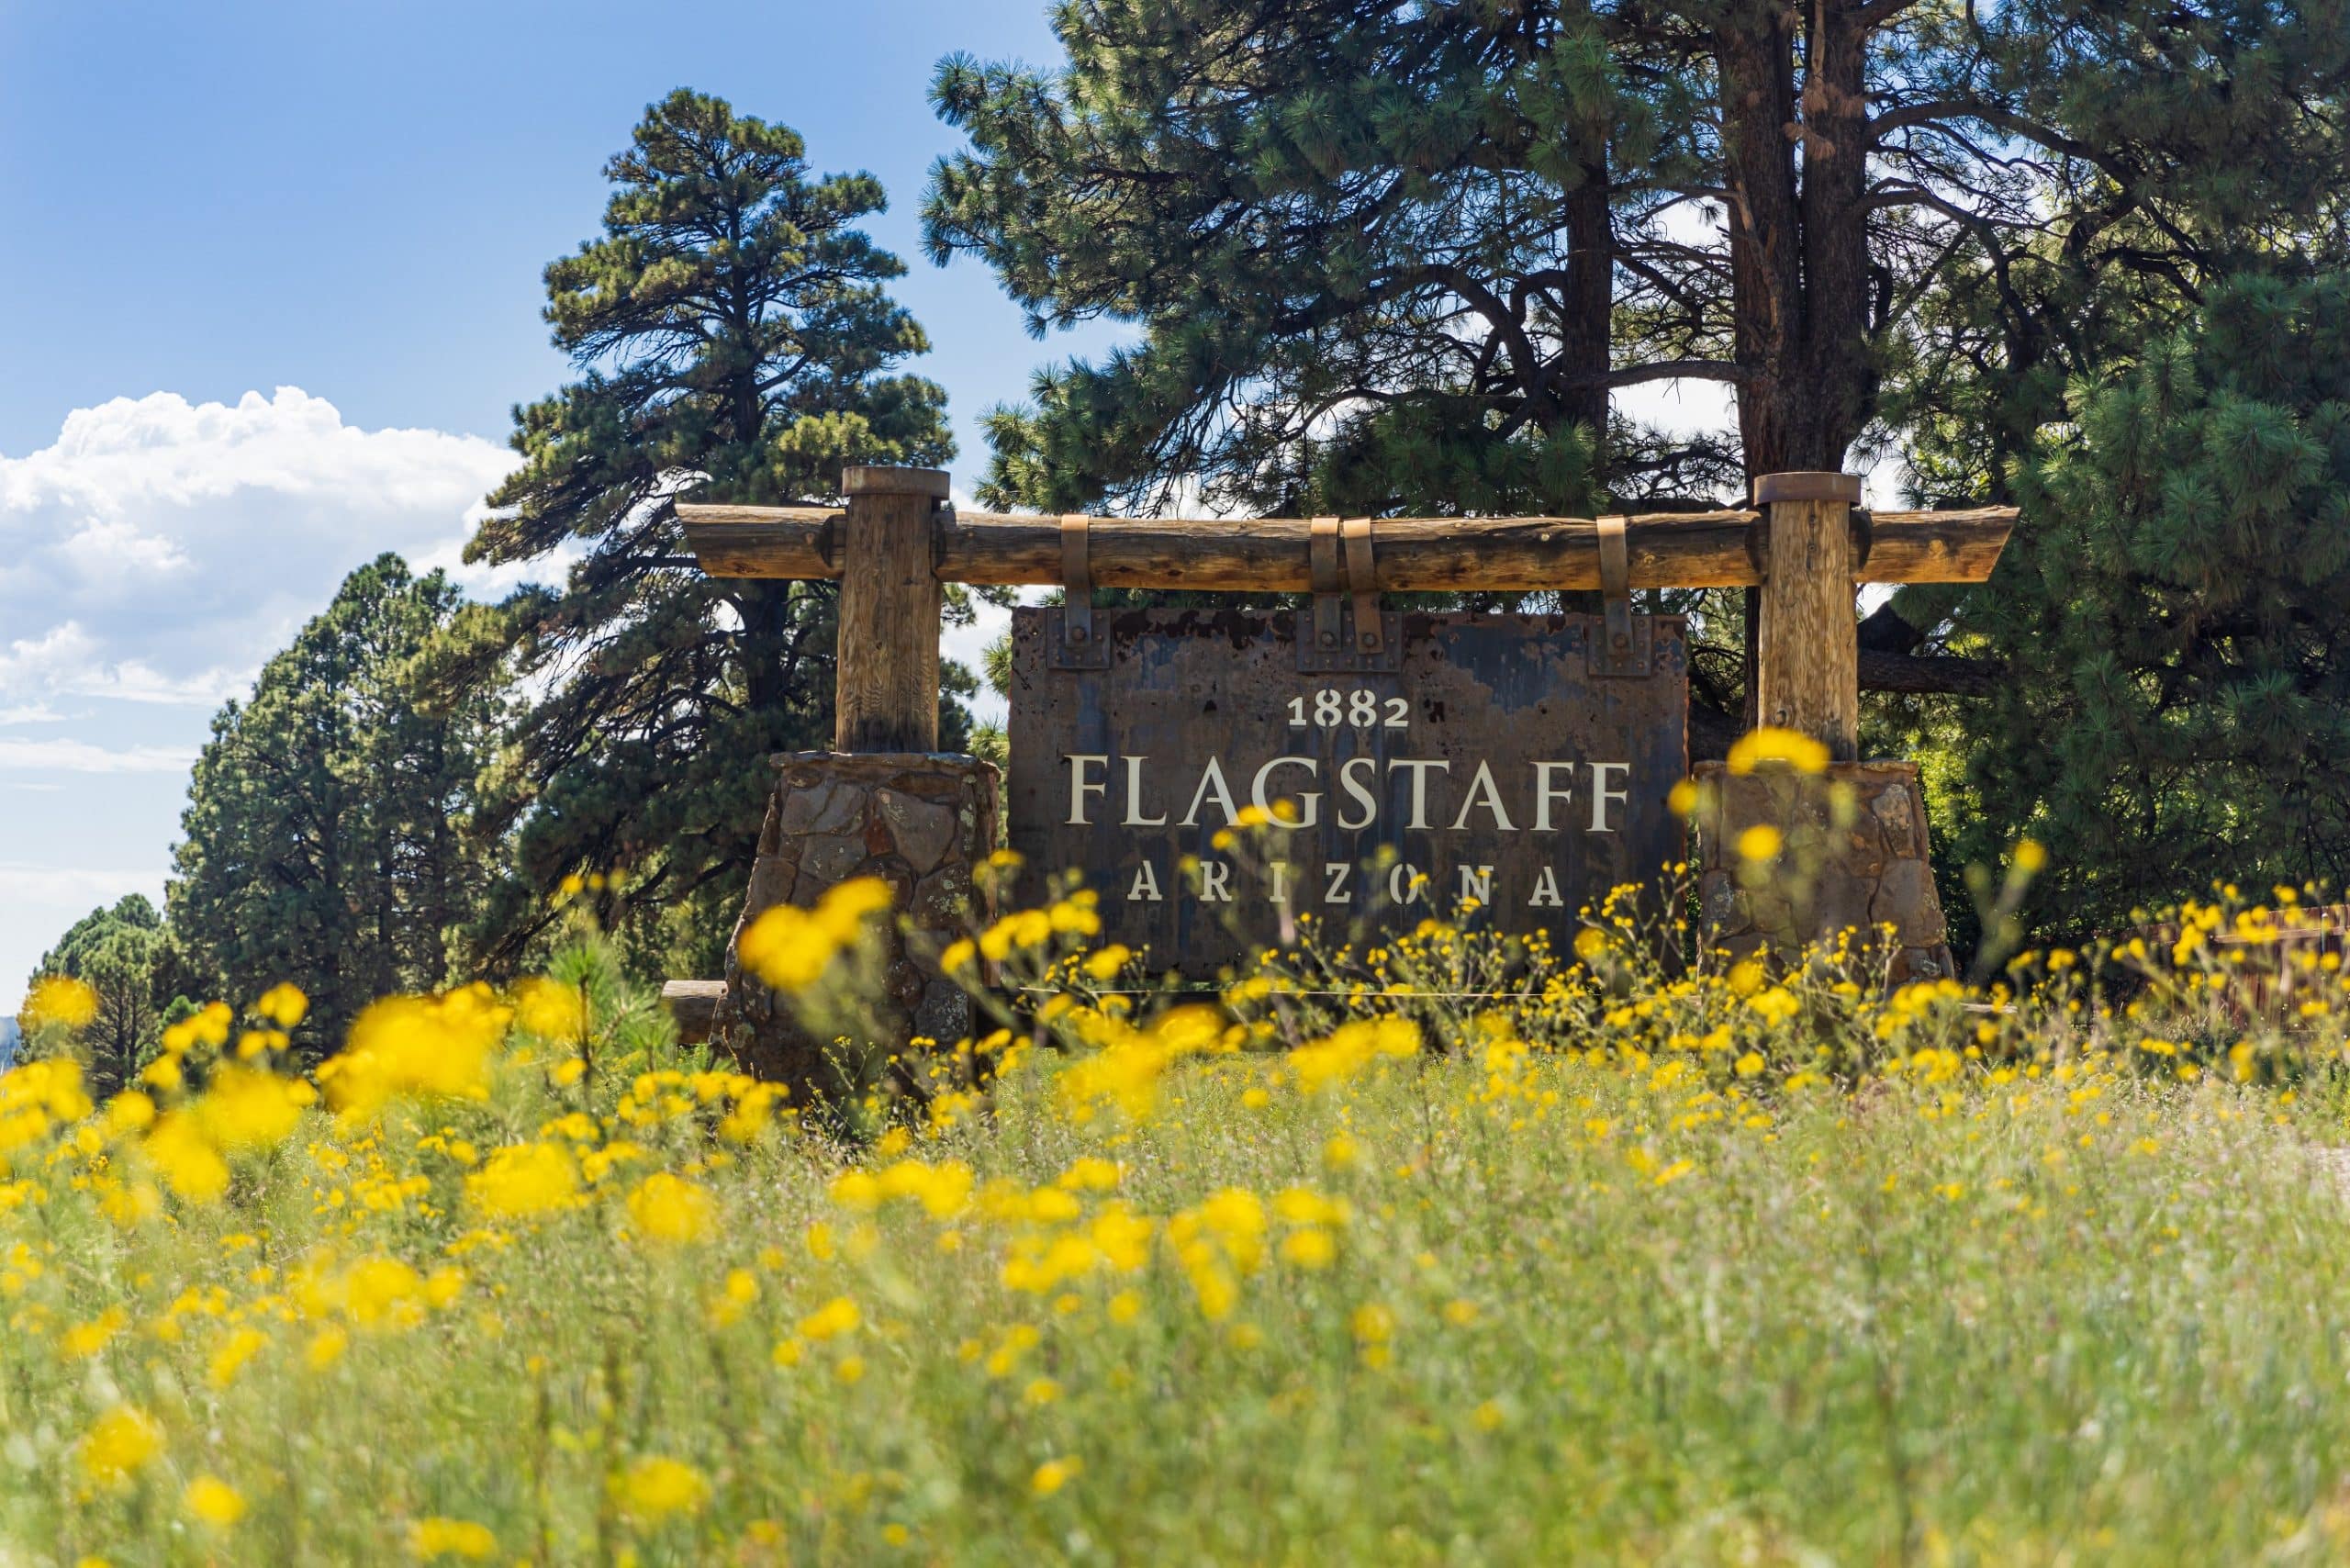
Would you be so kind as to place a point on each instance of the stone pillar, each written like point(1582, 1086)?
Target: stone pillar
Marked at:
point(1854, 857)
point(919, 820)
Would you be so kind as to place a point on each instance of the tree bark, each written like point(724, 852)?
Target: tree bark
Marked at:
point(764, 640)
point(1587, 329)
point(1754, 54)
point(1798, 167)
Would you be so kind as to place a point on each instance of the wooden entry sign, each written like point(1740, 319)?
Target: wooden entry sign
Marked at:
point(1507, 758)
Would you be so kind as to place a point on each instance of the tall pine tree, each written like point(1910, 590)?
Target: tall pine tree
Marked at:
point(1391, 256)
point(732, 327)
point(2178, 607)
point(327, 835)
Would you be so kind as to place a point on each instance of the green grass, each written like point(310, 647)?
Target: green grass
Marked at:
point(1633, 1279)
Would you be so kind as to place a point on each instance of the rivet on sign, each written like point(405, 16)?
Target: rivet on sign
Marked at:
point(1623, 638)
point(1328, 638)
point(1077, 634)
point(1370, 639)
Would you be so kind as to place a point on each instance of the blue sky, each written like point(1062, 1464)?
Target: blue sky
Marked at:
point(272, 285)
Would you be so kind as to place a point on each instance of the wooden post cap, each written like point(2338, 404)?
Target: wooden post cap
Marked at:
point(1807, 484)
point(875, 480)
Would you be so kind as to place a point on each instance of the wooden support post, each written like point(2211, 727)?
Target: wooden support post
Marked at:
point(886, 694)
point(1807, 647)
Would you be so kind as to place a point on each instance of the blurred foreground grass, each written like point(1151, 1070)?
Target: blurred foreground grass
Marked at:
point(1638, 1267)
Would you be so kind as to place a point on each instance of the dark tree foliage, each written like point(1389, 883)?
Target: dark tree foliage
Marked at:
point(327, 835)
point(1394, 256)
point(731, 328)
point(120, 952)
point(1388, 258)
point(1371, 248)
point(2181, 608)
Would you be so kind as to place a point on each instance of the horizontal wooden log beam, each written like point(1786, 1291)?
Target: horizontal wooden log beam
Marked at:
point(1470, 554)
point(1712, 732)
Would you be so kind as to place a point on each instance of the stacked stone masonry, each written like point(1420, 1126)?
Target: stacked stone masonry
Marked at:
point(921, 821)
point(1859, 865)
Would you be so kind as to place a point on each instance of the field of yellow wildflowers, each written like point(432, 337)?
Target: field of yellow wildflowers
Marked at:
point(1631, 1265)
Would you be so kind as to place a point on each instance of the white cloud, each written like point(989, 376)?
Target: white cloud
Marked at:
point(74, 888)
point(161, 451)
point(67, 756)
point(159, 550)
point(103, 550)
point(66, 660)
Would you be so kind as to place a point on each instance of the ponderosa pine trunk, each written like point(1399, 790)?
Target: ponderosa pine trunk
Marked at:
point(1795, 143)
point(1797, 164)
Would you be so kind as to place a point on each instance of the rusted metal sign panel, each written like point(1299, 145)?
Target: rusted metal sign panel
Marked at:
point(1499, 758)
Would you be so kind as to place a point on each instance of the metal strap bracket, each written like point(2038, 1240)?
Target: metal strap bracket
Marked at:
point(1079, 644)
point(1627, 642)
point(1346, 632)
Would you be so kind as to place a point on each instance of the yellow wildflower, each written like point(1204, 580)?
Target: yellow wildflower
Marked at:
point(439, 1537)
point(129, 1112)
point(656, 1487)
point(1351, 1048)
point(1090, 1174)
point(244, 1108)
point(284, 1006)
point(550, 1010)
point(835, 1318)
point(1311, 1247)
point(85, 1340)
point(378, 1292)
point(790, 948)
point(523, 1178)
point(214, 1501)
point(186, 1159)
point(241, 1346)
point(59, 1001)
point(671, 1210)
point(119, 1444)
point(416, 1046)
point(1769, 746)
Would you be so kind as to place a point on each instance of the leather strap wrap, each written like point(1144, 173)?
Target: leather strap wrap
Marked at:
point(1615, 587)
point(1076, 577)
point(1362, 580)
